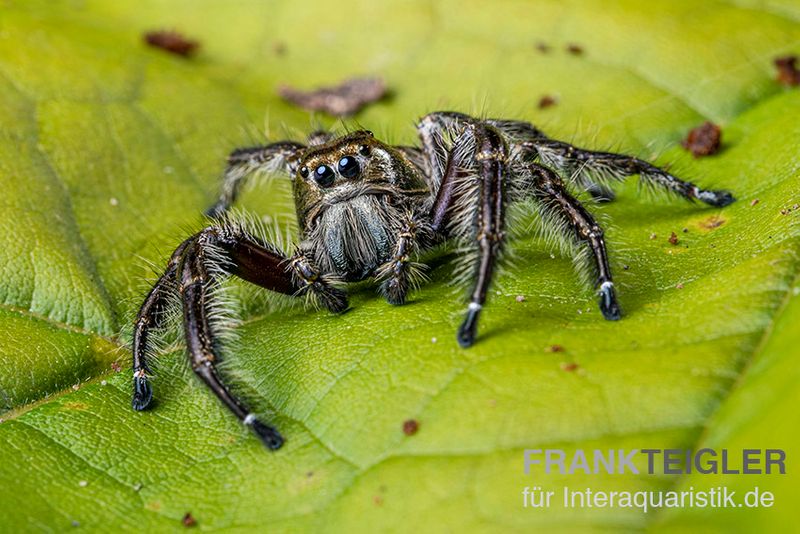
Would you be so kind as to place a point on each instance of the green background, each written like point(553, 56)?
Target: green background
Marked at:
point(110, 150)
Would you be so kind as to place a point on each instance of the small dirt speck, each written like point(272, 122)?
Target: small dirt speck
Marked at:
point(434, 340)
point(410, 427)
point(83, 483)
point(279, 47)
point(754, 202)
point(116, 367)
point(172, 42)
point(309, 474)
point(543, 47)
point(547, 101)
point(75, 523)
point(378, 500)
point(685, 230)
point(673, 238)
point(520, 298)
point(554, 348)
point(138, 486)
point(569, 367)
point(341, 100)
point(704, 140)
point(678, 286)
point(653, 236)
point(788, 73)
point(626, 267)
point(113, 201)
point(76, 387)
point(188, 520)
point(575, 49)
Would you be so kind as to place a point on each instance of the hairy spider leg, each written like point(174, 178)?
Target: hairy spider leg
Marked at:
point(151, 317)
point(491, 156)
point(591, 168)
point(554, 197)
point(243, 162)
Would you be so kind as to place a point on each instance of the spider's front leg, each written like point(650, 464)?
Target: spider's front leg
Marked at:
point(195, 269)
point(243, 162)
point(577, 223)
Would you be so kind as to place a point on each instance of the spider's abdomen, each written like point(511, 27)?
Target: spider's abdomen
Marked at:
point(355, 237)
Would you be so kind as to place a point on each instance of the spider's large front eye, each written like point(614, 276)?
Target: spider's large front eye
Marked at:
point(348, 167)
point(324, 176)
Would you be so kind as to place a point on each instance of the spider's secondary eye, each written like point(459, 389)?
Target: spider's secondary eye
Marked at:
point(363, 150)
point(304, 171)
point(348, 167)
point(324, 176)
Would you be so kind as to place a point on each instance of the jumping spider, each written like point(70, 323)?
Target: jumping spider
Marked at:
point(366, 208)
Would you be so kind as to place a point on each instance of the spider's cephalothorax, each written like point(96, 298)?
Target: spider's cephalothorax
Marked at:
point(366, 209)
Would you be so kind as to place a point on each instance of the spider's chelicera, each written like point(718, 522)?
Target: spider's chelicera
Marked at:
point(366, 209)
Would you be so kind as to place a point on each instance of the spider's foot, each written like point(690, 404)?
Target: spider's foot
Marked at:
point(719, 199)
point(142, 392)
point(608, 302)
point(469, 328)
point(601, 193)
point(270, 437)
point(395, 291)
point(332, 298)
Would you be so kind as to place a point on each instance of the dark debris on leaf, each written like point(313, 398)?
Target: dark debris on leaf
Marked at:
point(410, 427)
point(172, 42)
point(188, 520)
point(575, 49)
point(342, 100)
point(703, 140)
point(673, 238)
point(547, 101)
point(788, 73)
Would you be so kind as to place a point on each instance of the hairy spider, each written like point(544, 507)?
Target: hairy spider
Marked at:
point(366, 208)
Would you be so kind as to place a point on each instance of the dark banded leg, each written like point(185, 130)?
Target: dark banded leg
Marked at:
point(195, 285)
point(489, 224)
point(551, 192)
point(228, 251)
point(149, 318)
point(243, 162)
point(589, 167)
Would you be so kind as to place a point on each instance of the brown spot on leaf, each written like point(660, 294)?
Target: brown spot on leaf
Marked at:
point(188, 520)
point(678, 286)
point(547, 101)
point(754, 202)
point(116, 367)
point(344, 99)
point(788, 73)
point(575, 49)
point(703, 140)
point(410, 427)
point(715, 221)
point(673, 238)
point(279, 47)
point(554, 348)
point(172, 42)
point(569, 367)
point(543, 47)
point(378, 500)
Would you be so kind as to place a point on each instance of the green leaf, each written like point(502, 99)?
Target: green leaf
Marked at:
point(109, 152)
